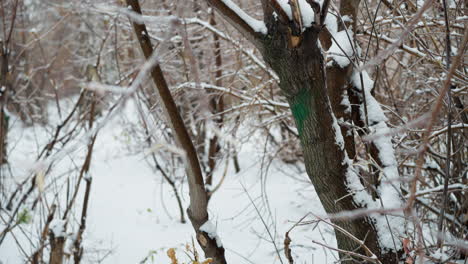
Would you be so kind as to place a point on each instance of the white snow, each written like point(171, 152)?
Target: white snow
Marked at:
point(360, 195)
point(133, 211)
point(332, 24)
point(345, 102)
point(374, 111)
point(346, 18)
point(256, 25)
point(210, 229)
point(404, 46)
point(341, 48)
point(307, 13)
point(338, 136)
point(389, 188)
point(57, 227)
point(440, 188)
point(286, 7)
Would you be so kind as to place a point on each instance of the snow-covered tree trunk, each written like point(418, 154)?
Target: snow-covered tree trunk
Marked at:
point(302, 78)
point(289, 42)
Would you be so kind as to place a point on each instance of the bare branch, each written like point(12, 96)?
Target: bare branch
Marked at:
point(296, 18)
point(433, 114)
point(198, 209)
point(389, 51)
point(324, 12)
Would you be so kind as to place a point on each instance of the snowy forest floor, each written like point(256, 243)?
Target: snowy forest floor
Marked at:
point(134, 216)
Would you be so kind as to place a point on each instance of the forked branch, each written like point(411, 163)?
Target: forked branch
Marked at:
point(324, 12)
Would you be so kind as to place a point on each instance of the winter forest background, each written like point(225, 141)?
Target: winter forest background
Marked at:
point(294, 131)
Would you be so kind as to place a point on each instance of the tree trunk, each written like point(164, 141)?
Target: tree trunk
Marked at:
point(302, 79)
point(57, 245)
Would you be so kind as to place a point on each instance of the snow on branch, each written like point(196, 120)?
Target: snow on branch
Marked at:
point(377, 125)
point(210, 229)
point(270, 104)
point(248, 26)
point(341, 50)
point(308, 9)
point(390, 201)
point(57, 227)
point(388, 190)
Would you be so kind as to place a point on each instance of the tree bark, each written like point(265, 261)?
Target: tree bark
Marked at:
point(338, 78)
point(302, 75)
point(57, 245)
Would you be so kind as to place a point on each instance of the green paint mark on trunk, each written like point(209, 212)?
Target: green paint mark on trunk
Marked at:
point(300, 107)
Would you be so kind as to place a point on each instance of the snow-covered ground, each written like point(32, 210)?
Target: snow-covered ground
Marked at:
point(128, 215)
point(133, 212)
